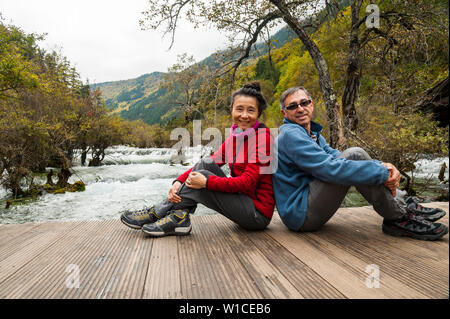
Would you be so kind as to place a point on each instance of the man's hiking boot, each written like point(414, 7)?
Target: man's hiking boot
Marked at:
point(137, 219)
point(414, 226)
point(177, 223)
point(430, 214)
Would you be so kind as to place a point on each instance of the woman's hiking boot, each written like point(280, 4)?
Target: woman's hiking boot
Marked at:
point(177, 223)
point(137, 219)
point(430, 214)
point(414, 226)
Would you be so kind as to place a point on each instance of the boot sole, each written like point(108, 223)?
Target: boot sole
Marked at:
point(130, 225)
point(179, 231)
point(403, 233)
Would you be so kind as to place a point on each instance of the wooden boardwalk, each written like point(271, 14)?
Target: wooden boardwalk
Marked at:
point(105, 259)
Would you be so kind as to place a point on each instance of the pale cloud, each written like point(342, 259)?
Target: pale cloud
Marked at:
point(103, 39)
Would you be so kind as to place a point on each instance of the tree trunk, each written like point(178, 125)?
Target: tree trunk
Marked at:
point(65, 173)
point(337, 138)
point(84, 152)
point(353, 73)
point(49, 178)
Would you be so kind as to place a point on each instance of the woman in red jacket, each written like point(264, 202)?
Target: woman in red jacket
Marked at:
point(245, 198)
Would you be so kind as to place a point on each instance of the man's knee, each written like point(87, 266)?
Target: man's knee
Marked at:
point(310, 228)
point(355, 153)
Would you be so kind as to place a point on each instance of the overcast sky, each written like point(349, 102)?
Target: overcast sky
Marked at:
point(103, 39)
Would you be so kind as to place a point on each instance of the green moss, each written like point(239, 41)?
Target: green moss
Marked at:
point(60, 191)
point(78, 186)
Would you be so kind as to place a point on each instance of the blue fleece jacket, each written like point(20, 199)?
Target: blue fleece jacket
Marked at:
point(301, 160)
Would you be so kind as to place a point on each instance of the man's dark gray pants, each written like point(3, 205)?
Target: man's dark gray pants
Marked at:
point(235, 206)
point(324, 198)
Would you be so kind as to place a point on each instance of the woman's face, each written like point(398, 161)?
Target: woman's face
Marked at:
point(244, 111)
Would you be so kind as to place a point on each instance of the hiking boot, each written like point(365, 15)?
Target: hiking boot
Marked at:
point(177, 222)
point(430, 214)
point(414, 226)
point(137, 219)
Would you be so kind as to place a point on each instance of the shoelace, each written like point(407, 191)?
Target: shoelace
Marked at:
point(163, 220)
point(419, 219)
point(144, 211)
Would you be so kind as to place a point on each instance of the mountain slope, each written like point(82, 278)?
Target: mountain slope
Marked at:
point(142, 97)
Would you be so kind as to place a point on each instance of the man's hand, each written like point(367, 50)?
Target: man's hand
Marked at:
point(196, 180)
point(393, 180)
point(173, 196)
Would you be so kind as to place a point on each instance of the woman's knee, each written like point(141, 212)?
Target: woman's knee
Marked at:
point(207, 165)
point(257, 224)
point(205, 172)
point(254, 227)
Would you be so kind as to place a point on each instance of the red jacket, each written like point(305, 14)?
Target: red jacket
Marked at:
point(249, 165)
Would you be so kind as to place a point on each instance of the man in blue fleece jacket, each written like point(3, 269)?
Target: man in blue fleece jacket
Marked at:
point(312, 178)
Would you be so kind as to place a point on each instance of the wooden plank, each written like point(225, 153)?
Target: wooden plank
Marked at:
point(337, 242)
point(43, 238)
point(98, 262)
point(106, 279)
point(332, 269)
point(72, 250)
point(198, 279)
point(307, 282)
point(9, 233)
point(31, 275)
point(131, 283)
point(21, 236)
point(221, 260)
point(88, 254)
point(363, 225)
point(163, 273)
point(403, 280)
point(232, 278)
point(269, 280)
point(438, 247)
point(421, 272)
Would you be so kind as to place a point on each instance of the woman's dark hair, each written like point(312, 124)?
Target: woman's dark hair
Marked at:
point(252, 89)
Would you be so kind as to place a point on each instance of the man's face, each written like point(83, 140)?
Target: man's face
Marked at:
point(300, 115)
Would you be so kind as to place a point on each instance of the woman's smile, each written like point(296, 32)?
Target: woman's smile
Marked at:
point(244, 111)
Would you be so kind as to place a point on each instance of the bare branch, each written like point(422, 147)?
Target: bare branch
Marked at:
point(254, 37)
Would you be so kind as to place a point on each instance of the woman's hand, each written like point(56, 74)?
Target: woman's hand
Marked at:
point(393, 180)
point(196, 180)
point(173, 196)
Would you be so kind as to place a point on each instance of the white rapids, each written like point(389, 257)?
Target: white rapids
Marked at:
point(129, 179)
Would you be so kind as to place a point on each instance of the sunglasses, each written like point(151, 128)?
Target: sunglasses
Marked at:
point(293, 106)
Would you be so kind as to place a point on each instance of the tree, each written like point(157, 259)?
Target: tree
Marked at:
point(16, 69)
point(46, 112)
point(400, 24)
point(246, 20)
point(184, 82)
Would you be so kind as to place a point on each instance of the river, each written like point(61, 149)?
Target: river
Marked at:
point(129, 179)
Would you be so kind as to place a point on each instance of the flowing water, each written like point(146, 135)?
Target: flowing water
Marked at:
point(129, 179)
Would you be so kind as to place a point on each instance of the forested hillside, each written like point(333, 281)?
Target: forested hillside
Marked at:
point(375, 87)
point(145, 97)
point(378, 77)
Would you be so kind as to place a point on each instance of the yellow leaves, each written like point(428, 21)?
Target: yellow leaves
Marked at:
point(401, 139)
